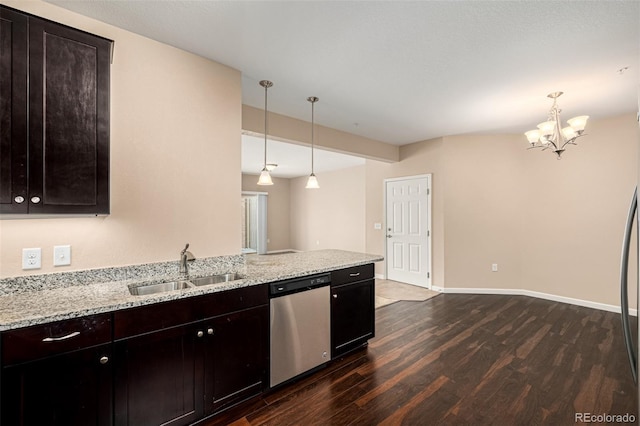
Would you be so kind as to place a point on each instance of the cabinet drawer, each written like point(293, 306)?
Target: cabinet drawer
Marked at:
point(229, 301)
point(351, 275)
point(154, 317)
point(41, 341)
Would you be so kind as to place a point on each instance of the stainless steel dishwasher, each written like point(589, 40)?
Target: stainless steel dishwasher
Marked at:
point(300, 326)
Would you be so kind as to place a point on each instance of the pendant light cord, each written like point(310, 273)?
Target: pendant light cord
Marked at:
point(266, 84)
point(313, 101)
point(266, 87)
point(312, 126)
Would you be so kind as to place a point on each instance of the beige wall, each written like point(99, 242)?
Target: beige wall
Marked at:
point(278, 207)
point(575, 210)
point(483, 210)
point(415, 159)
point(331, 216)
point(296, 131)
point(175, 161)
point(552, 226)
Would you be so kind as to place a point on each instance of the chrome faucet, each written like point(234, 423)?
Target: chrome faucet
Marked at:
point(185, 256)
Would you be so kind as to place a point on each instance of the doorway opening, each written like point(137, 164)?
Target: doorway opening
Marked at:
point(254, 222)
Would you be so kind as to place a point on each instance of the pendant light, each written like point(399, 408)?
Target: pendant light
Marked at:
point(265, 176)
point(312, 183)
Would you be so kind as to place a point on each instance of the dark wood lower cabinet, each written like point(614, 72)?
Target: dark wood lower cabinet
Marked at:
point(352, 313)
point(235, 355)
point(181, 361)
point(69, 389)
point(159, 377)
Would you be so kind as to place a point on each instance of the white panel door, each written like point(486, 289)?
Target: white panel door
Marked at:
point(408, 233)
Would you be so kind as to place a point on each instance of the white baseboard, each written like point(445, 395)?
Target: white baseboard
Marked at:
point(379, 277)
point(537, 294)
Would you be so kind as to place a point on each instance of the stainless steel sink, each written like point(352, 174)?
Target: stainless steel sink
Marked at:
point(159, 288)
point(155, 288)
point(214, 279)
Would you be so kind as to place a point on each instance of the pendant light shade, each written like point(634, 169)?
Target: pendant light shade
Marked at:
point(265, 176)
point(312, 183)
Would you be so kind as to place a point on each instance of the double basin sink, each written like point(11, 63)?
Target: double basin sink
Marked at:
point(146, 289)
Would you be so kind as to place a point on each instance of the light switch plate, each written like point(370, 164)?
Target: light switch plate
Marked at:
point(377, 225)
point(61, 255)
point(31, 258)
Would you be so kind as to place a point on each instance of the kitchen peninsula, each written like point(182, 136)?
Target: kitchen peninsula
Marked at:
point(172, 357)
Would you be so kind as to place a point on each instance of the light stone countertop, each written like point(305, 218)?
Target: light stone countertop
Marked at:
point(26, 308)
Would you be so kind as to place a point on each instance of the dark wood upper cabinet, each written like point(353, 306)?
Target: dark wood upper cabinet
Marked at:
point(65, 145)
point(13, 111)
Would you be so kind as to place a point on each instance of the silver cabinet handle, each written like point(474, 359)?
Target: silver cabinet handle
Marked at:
point(104, 360)
point(355, 275)
point(210, 331)
point(57, 339)
point(335, 296)
point(19, 199)
point(200, 334)
point(35, 200)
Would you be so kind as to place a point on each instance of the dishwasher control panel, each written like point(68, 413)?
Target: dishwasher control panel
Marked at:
point(296, 285)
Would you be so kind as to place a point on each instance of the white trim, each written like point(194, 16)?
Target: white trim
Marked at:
point(538, 295)
point(254, 192)
point(429, 177)
point(380, 277)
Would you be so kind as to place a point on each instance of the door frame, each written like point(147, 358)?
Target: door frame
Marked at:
point(429, 177)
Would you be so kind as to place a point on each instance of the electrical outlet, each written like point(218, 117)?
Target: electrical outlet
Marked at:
point(494, 267)
point(61, 255)
point(31, 258)
point(377, 225)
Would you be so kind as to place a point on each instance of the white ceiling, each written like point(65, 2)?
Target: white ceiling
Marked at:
point(406, 71)
point(292, 160)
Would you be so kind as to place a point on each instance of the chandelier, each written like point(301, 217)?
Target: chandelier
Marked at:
point(550, 134)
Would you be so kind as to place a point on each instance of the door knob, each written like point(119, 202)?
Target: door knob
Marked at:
point(389, 235)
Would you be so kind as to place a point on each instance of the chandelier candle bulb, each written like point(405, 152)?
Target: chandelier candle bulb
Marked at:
point(550, 134)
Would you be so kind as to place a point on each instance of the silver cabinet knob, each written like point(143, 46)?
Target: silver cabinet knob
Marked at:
point(19, 199)
point(335, 296)
point(200, 334)
point(35, 200)
point(104, 360)
point(210, 331)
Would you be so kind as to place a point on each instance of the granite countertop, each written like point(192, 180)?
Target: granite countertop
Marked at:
point(46, 304)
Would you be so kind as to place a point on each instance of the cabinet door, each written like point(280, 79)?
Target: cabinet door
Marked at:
point(68, 389)
point(159, 376)
point(68, 120)
point(13, 112)
point(352, 316)
point(236, 357)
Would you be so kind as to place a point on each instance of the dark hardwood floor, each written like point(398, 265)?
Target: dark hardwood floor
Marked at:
point(464, 360)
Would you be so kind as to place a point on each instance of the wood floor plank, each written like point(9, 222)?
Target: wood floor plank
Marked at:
point(466, 360)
